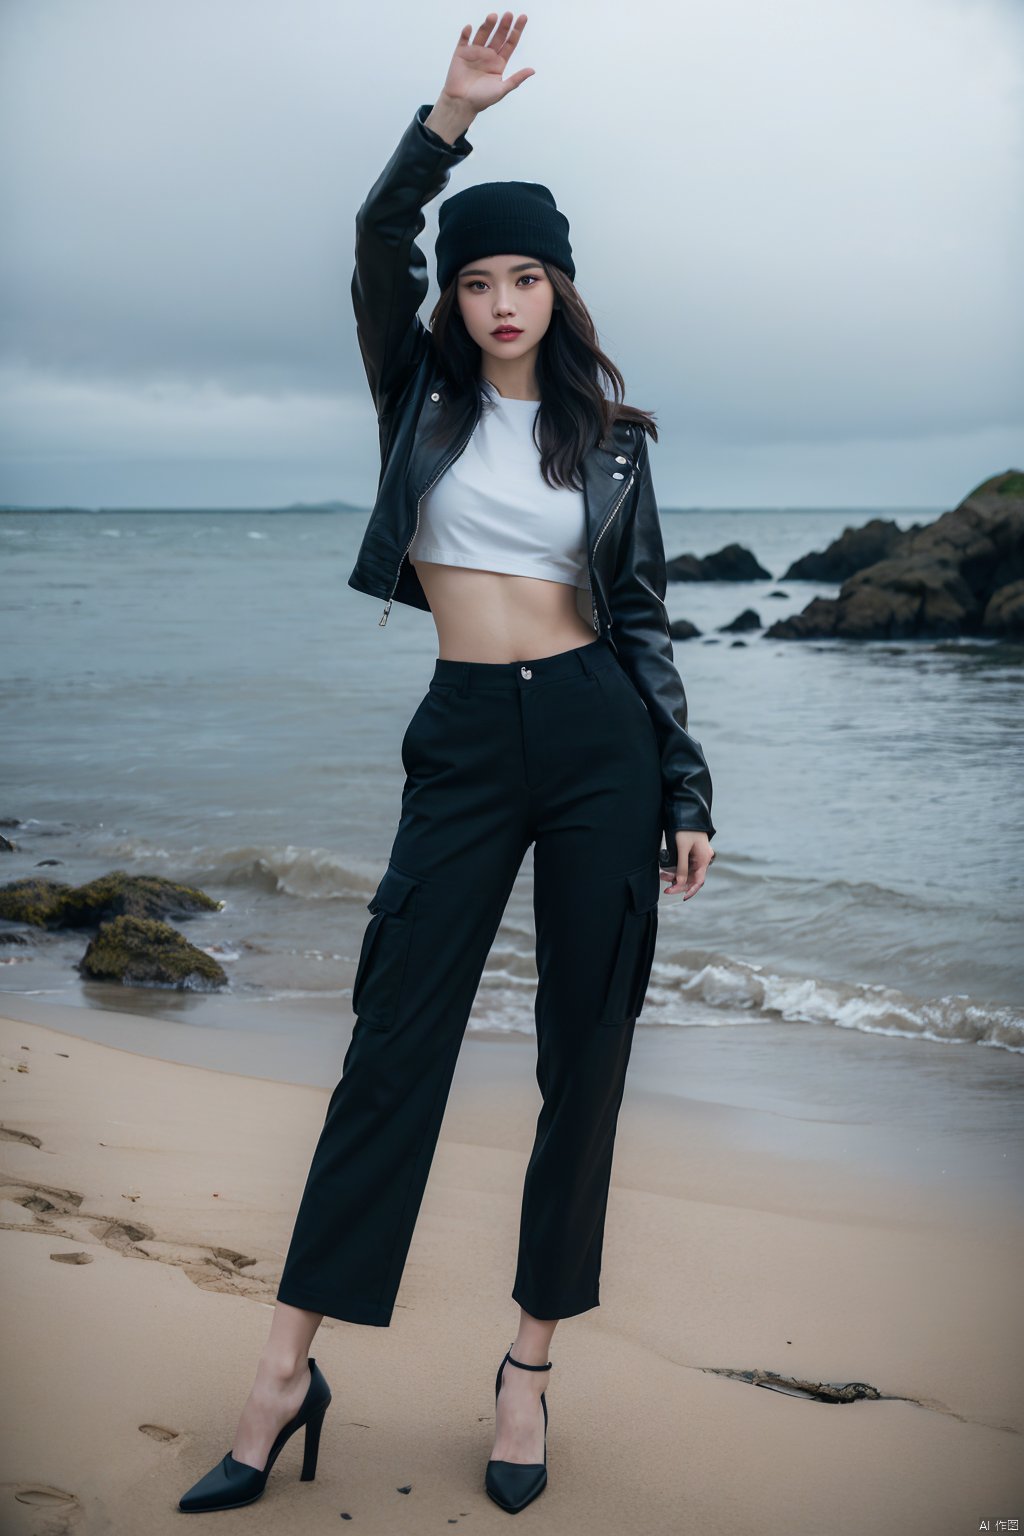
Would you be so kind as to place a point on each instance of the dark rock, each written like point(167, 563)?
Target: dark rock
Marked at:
point(730, 563)
point(854, 549)
point(748, 619)
point(943, 580)
point(735, 643)
point(682, 629)
point(6, 846)
point(54, 904)
point(1004, 612)
point(138, 951)
point(777, 593)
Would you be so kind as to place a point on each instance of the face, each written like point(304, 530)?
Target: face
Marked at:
point(512, 291)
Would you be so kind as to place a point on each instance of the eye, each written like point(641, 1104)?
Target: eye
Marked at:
point(477, 282)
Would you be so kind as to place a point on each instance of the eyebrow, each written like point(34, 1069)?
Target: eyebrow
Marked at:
point(486, 271)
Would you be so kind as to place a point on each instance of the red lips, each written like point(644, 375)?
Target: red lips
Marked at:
point(507, 330)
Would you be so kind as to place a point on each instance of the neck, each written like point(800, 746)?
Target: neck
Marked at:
point(514, 381)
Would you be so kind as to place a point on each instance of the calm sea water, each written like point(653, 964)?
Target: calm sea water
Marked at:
point(200, 695)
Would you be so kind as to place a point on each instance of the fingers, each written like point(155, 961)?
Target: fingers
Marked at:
point(517, 79)
point(692, 864)
point(505, 37)
point(513, 36)
point(699, 866)
point(483, 31)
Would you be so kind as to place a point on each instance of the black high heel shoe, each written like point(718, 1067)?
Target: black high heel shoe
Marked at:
point(232, 1483)
point(514, 1484)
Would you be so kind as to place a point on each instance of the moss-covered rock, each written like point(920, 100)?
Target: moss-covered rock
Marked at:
point(33, 900)
point(141, 952)
point(55, 904)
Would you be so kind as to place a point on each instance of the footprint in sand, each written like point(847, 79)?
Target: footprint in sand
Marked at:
point(60, 1213)
point(8, 1134)
point(158, 1432)
point(41, 1198)
point(56, 1511)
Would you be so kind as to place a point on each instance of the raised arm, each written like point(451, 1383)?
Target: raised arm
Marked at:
point(390, 279)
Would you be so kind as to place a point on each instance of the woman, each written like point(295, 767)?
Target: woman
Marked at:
point(515, 502)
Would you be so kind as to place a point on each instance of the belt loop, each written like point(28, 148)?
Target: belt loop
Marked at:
point(464, 680)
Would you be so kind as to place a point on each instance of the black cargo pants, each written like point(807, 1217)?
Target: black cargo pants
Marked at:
point(560, 752)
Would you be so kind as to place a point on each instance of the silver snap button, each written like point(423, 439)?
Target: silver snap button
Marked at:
point(435, 395)
point(526, 671)
point(618, 475)
point(620, 458)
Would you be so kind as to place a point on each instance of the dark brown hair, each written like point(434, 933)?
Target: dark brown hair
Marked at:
point(575, 412)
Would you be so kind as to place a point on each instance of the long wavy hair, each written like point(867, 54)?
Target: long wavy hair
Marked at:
point(575, 412)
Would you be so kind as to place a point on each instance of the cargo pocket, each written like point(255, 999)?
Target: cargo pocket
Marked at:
point(634, 953)
point(385, 949)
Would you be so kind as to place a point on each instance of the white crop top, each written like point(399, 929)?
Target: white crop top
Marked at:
point(493, 510)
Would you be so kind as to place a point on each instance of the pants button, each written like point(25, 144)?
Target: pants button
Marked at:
point(526, 671)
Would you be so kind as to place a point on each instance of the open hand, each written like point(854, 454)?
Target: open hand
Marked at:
point(474, 79)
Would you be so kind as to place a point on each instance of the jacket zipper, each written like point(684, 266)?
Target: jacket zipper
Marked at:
point(387, 606)
point(593, 552)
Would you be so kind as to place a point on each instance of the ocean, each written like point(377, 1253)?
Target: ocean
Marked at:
point(200, 695)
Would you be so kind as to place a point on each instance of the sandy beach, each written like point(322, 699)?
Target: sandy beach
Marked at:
point(147, 1208)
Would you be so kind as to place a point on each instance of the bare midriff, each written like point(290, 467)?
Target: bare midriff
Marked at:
point(491, 616)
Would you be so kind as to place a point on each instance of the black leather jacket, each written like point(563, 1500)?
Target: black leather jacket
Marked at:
point(626, 552)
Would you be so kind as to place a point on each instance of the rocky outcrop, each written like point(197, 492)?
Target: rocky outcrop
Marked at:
point(682, 629)
point(943, 580)
point(730, 563)
point(139, 952)
point(854, 549)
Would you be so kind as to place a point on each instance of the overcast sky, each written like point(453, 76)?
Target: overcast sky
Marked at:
point(799, 227)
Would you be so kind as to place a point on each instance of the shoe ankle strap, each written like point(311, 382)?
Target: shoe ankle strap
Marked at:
point(523, 1367)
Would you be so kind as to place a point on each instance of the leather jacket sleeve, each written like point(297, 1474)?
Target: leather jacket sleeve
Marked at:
point(641, 636)
point(390, 279)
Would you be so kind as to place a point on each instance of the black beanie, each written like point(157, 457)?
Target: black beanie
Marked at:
point(501, 218)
